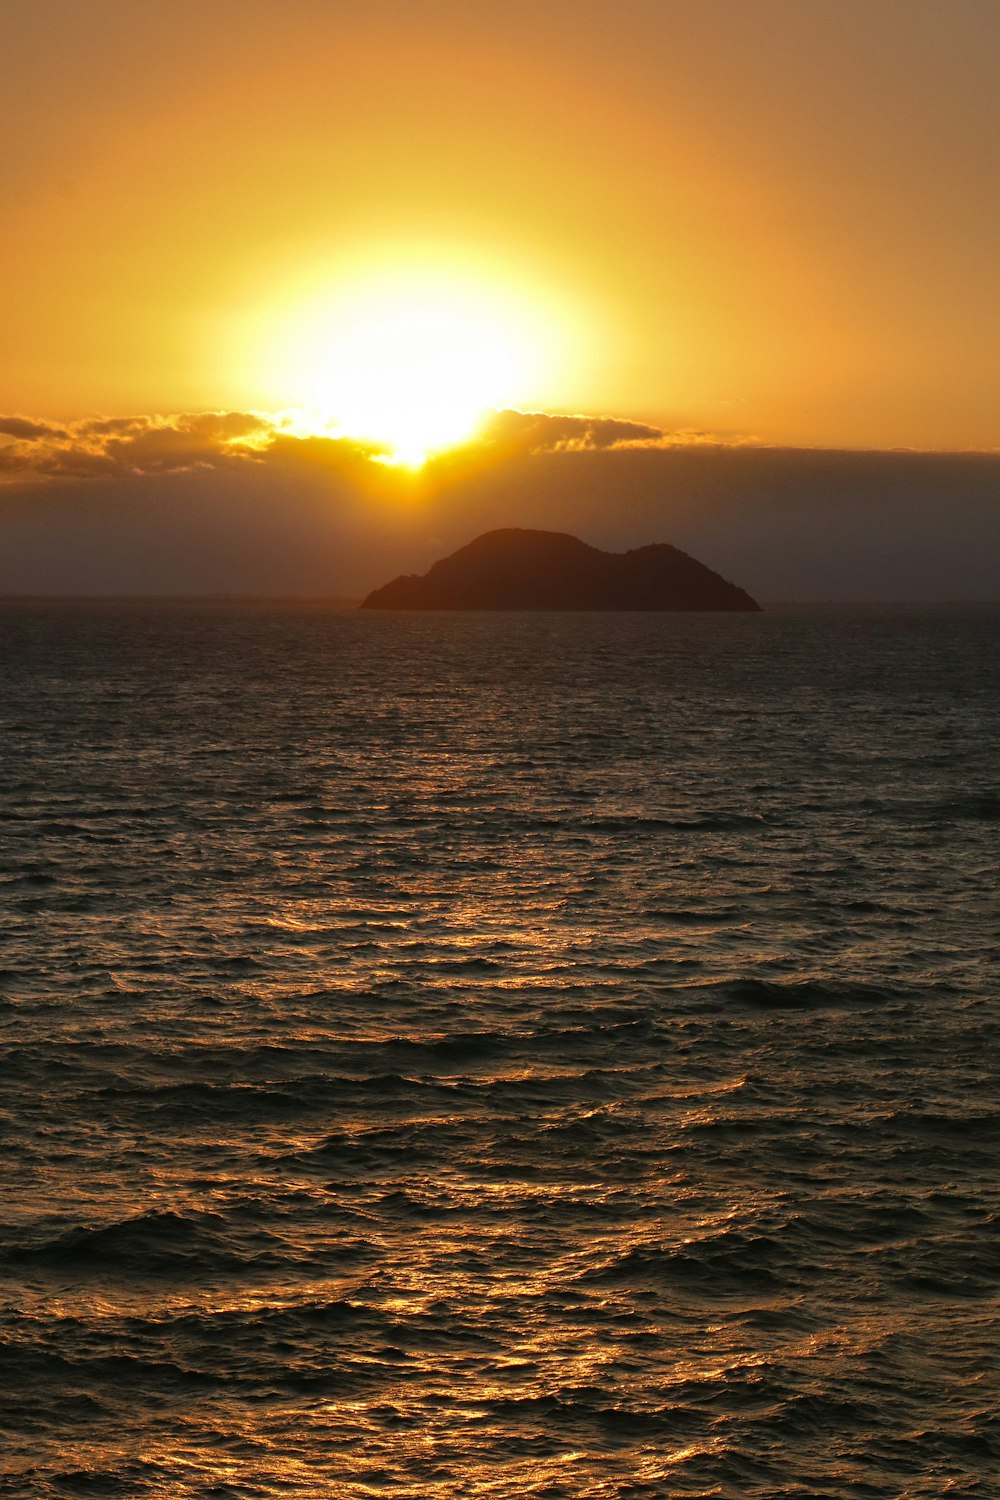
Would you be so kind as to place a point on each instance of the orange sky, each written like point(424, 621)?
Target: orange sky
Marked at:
point(775, 218)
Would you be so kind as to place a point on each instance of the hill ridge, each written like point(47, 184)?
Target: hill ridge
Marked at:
point(519, 568)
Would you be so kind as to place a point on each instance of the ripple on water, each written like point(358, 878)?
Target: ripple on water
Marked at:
point(458, 1057)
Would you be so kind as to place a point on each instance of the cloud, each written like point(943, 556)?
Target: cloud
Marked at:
point(542, 432)
point(106, 447)
point(119, 447)
point(207, 439)
point(26, 427)
point(513, 431)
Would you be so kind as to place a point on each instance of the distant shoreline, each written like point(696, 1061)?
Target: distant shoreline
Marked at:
point(301, 601)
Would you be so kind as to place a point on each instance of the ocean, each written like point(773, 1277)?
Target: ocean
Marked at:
point(498, 1055)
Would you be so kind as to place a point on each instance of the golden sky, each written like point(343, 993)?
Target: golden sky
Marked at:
point(764, 218)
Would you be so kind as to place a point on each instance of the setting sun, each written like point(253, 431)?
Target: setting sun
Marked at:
point(407, 357)
point(415, 378)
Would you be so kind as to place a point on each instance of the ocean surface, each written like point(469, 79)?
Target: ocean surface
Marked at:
point(499, 1056)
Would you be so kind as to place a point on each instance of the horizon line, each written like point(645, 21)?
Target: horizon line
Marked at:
point(351, 601)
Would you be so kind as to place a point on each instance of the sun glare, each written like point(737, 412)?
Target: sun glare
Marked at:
point(417, 378)
point(408, 359)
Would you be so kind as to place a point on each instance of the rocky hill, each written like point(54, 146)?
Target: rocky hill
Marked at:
point(520, 569)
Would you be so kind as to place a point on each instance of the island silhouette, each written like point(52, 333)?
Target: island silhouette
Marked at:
point(517, 568)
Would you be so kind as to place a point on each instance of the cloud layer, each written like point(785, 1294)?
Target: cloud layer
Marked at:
point(118, 446)
point(106, 447)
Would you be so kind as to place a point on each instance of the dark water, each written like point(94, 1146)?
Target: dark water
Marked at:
point(499, 1056)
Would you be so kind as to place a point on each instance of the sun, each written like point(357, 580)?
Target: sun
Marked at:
point(417, 375)
point(410, 358)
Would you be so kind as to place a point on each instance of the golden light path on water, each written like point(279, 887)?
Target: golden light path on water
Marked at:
point(475, 1056)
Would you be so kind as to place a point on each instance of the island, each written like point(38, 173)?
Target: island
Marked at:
point(516, 568)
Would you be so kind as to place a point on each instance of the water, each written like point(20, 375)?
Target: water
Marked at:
point(507, 1055)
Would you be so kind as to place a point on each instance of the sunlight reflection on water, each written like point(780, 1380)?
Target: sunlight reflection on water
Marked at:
point(571, 1077)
